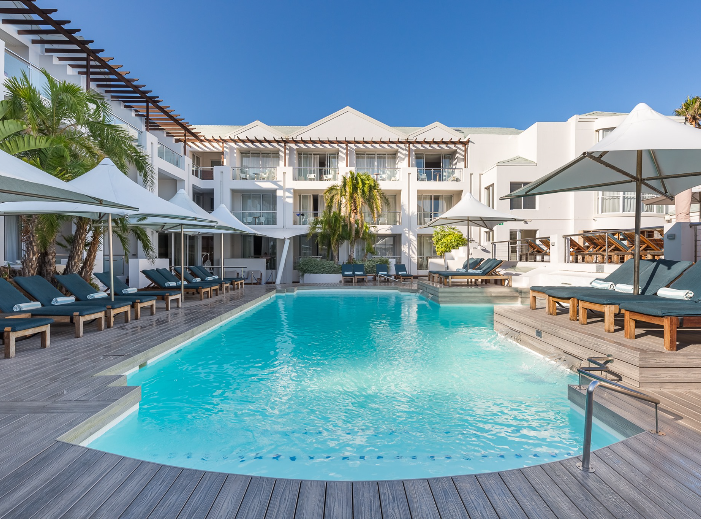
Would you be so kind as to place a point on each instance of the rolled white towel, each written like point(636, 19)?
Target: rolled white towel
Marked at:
point(215, 277)
point(210, 278)
point(62, 300)
point(129, 290)
point(98, 295)
point(625, 289)
point(196, 280)
point(171, 284)
point(600, 283)
point(460, 270)
point(26, 306)
point(673, 293)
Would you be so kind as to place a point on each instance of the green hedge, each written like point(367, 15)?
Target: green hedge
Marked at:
point(321, 266)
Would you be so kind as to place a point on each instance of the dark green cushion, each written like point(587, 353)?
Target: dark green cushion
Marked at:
point(16, 324)
point(10, 296)
point(670, 307)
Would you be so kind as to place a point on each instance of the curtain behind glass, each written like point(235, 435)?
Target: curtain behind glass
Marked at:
point(12, 239)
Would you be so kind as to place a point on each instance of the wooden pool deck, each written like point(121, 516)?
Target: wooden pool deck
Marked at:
point(45, 394)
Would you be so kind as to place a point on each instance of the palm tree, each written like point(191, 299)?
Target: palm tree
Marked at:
point(331, 230)
point(691, 111)
point(80, 133)
point(357, 194)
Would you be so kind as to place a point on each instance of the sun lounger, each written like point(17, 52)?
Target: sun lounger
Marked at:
point(569, 294)
point(401, 273)
point(192, 282)
point(347, 273)
point(472, 263)
point(659, 275)
point(487, 271)
point(359, 272)
point(165, 279)
point(671, 314)
point(16, 327)
point(382, 272)
point(78, 315)
point(202, 272)
point(44, 292)
point(82, 291)
point(120, 286)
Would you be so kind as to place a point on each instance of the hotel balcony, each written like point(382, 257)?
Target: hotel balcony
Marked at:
point(382, 174)
point(203, 173)
point(385, 218)
point(305, 218)
point(256, 217)
point(170, 156)
point(254, 173)
point(315, 174)
point(439, 174)
point(423, 217)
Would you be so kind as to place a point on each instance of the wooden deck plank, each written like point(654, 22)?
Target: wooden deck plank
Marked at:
point(473, 497)
point(13, 506)
point(556, 499)
point(124, 495)
point(578, 493)
point(203, 496)
point(447, 499)
point(66, 498)
point(283, 500)
point(499, 495)
point(100, 492)
point(393, 500)
point(420, 499)
point(339, 500)
point(179, 492)
point(230, 497)
point(142, 504)
point(366, 500)
point(312, 497)
point(255, 501)
point(530, 501)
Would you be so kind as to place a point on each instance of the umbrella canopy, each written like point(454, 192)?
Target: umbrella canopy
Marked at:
point(107, 180)
point(20, 181)
point(471, 211)
point(663, 200)
point(182, 200)
point(222, 214)
point(94, 212)
point(647, 153)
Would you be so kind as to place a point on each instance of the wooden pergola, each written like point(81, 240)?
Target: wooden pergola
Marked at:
point(98, 70)
point(217, 143)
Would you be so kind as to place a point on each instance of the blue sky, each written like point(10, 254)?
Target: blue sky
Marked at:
point(406, 63)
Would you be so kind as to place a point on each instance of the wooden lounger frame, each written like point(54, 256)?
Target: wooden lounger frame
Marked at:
point(505, 280)
point(166, 298)
point(138, 305)
point(79, 320)
point(9, 336)
point(551, 303)
point(669, 323)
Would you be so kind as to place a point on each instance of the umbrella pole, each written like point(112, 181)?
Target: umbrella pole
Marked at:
point(638, 214)
point(109, 241)
point(468, 244)
point(182, 264)
point(222, 257)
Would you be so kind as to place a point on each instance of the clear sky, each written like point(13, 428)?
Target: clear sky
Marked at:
point(406, 63)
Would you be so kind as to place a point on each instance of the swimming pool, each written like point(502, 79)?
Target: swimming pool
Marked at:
point(352, 385)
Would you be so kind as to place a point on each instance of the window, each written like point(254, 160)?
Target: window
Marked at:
point(389, 214)
point(382, 165)
point(527, 202)
point(488, 236)
point(489, 196)
point(425, 250)
point(624, 202)
point(258, 209)
point(309, 206)
point(432, 206)
point(603, 133)
point(386, 246)
point(316, 166)
point(255, 159)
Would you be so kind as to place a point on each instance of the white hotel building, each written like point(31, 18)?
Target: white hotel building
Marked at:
point(273, 177)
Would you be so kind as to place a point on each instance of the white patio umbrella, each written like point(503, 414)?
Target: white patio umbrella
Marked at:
point(22, 182)
point(470, 211)
point(647, 153)
point(151, 210)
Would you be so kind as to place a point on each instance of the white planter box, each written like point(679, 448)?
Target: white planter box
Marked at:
point(321, 278)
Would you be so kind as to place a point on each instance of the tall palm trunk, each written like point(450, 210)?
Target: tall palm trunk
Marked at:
point(30, 243)
point(80, 236)
point(89, 261)
point(47, 262)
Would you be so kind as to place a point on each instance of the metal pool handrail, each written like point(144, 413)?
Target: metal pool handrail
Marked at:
point(585, 465)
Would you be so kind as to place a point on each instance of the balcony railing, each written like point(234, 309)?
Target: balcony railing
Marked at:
point(203, 173)
point(305, 218)
point(327, 174)
point(439, 174)
point(385, 218)
point(425, 217)
point(15, 65)
point(254, 173)
point(256, 217)
point(381, 174)
point(170, 156)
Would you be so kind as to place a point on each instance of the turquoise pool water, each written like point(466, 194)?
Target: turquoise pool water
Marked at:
point(352, 385)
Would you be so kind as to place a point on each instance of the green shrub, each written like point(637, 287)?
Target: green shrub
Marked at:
point(447, 238)
point(371, 263)
point(317, 266)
